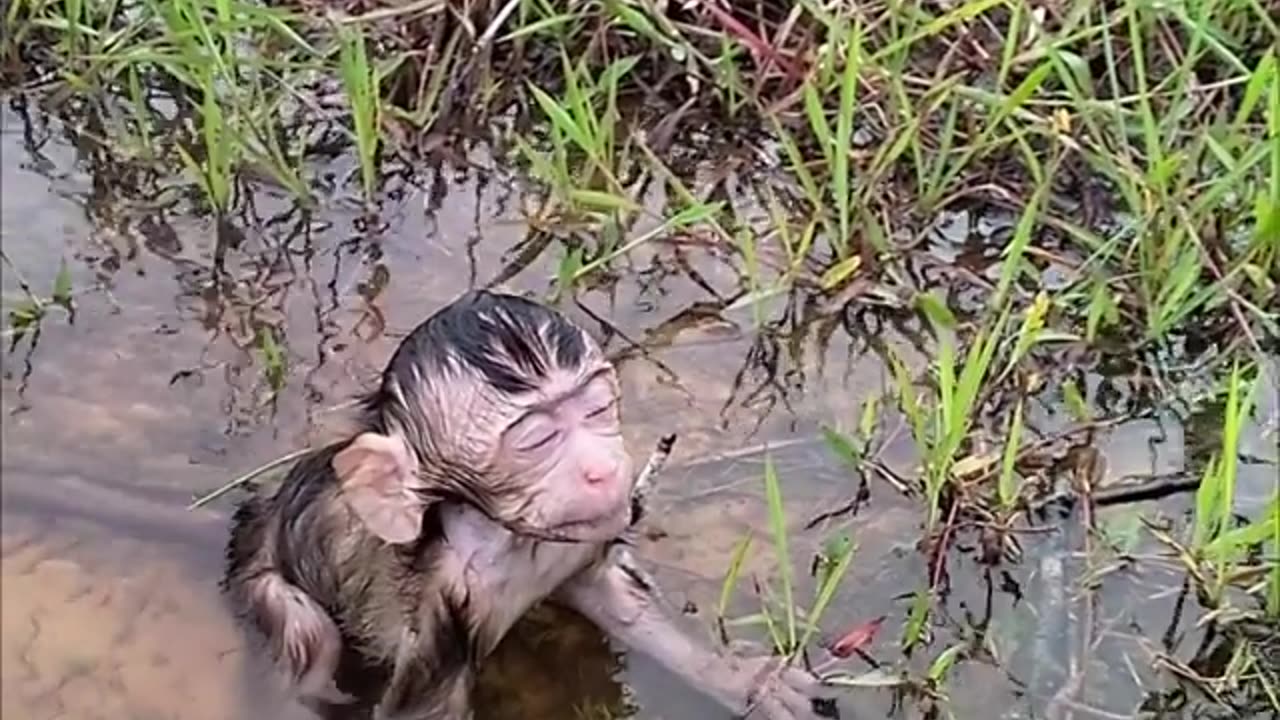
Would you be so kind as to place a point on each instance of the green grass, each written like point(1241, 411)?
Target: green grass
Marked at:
point(1134, 148)
point(29, 309)
point(361, 86)
point(1196, 195)
point(790, 626)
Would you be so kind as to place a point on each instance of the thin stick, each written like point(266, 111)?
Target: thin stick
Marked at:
point(22, 280)
point(1152, 490)
point(645, 481)
point(387, 13)
point(494, 25)
point(248, 476)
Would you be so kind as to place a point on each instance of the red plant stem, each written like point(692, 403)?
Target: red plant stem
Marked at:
point(757, 44)
point(940, 548)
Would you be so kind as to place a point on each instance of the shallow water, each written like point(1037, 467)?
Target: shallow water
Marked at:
point(114, 421)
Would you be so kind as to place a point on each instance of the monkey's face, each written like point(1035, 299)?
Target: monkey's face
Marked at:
point(562, 458)
point(502, 403)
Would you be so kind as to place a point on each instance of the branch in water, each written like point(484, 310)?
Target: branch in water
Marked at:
point(645, 481)
point(1151, 490)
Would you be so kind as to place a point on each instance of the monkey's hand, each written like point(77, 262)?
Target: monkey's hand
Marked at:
point(766, 688)
point(623, 601)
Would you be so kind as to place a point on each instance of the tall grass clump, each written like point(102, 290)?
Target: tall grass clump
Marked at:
point(361, 84)
point(790, 626)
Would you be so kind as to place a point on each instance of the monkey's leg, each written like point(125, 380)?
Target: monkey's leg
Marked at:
point(303, 638)
point(623, 601)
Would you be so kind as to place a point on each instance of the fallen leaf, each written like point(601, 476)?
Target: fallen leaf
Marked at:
point(973, 464)
point(857, 638)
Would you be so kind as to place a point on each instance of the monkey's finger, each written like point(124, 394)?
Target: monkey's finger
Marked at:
point(790, 707)
point(800, 693)
point(801, 680)
point(770, 708)
point(805, 707)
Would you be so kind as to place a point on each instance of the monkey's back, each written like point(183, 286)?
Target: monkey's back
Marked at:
point(265, 528)
point(305, 533)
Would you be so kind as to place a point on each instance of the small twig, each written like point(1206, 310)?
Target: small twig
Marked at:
point(387, 13)
point(821, 517)
point(22, 280)
point(940, 558)
point(1137, 492)
point(496, 24)
point(1090, 710)
point(248, 476)
point(633, 345)
point(645, 481)
point(748, 451)
point(889, 476)
point(979, 524)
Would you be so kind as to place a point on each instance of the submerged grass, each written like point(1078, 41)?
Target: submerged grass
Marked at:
point(1135, 148)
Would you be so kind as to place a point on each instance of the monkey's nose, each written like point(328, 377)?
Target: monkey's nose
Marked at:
point(600, 474)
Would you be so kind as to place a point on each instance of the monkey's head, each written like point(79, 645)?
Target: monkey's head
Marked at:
point(500, 402)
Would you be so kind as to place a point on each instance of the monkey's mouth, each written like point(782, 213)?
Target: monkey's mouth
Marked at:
point(615, 522)
point(595, 529)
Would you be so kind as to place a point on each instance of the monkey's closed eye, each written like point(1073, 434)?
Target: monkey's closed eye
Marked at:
point(534, 431)
point(602, 409)
point(539, 441)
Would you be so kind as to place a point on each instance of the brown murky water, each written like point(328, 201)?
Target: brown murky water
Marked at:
point(154, 393)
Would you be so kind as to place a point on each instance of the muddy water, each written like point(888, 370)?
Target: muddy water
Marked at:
point(155, 392)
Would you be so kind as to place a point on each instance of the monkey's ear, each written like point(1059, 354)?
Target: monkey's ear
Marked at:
point(378, 478)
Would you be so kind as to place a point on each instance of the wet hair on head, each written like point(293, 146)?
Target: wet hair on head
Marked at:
point(508, 340)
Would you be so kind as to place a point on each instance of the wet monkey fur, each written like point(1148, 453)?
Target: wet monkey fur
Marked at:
point(487, 474)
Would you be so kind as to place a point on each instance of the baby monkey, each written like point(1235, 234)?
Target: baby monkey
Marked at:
point(488, 473)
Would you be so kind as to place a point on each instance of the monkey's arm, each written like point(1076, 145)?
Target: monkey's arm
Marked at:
point(619, 597)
